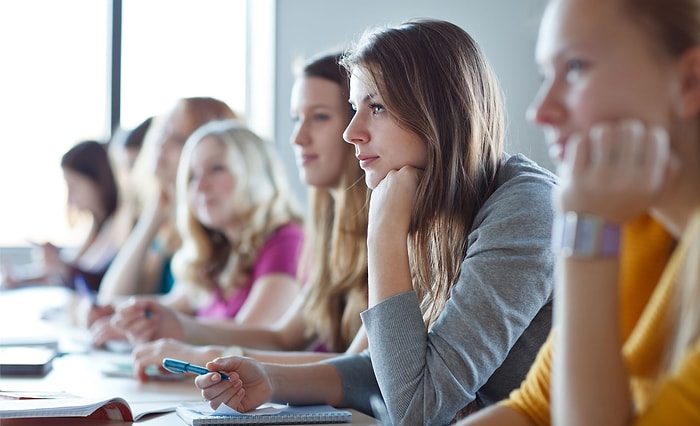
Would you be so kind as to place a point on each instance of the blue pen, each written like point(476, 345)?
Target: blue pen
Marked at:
point(177, 366)
point(82, 287)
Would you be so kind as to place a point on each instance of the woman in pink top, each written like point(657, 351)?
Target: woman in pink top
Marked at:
point(241, 241)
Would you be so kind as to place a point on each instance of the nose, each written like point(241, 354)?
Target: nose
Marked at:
point(356, 132)
point(547, 108)
point(198, 183)
point(300, 133)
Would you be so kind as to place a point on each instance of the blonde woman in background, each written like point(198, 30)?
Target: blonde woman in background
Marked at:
point(142, 265)
point(241, 241)
point(325, 319)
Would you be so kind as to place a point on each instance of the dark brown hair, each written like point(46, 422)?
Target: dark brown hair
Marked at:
point(436, 82)
point(90, 159)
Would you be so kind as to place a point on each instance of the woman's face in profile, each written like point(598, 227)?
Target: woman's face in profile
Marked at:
point(320, 114)
point(381, 145)
point(177, 128)
point(598, 65)
point(83, 193)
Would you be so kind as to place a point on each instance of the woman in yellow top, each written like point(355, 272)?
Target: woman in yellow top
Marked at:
point(621, 102)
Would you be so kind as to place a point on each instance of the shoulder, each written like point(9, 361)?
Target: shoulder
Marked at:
point(287, 238)
point(518, 169)
point(291, 231)
point(281, 252)
point(521, 184)
point(521, 202)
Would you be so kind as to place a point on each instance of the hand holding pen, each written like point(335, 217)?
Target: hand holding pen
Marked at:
point(177, 366)
point(145, 319)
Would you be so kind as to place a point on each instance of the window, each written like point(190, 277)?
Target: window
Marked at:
point(56, 91)
point(172, 49)
point(54, 88)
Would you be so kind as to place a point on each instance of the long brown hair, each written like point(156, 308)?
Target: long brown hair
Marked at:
point(90, 159)
point(437, 83)
point(335, 253)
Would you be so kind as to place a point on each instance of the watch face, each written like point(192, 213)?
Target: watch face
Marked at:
point(579, 235)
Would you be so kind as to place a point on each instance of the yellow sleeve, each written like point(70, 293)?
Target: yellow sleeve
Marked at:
point(532, 398)
point(647, 247)
point(677, 401)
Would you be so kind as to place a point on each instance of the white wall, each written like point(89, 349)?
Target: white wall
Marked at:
point(505, 29)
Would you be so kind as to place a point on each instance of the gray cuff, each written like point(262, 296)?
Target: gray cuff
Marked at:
point(358, 379)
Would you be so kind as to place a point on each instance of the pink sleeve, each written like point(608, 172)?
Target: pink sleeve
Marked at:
point(281, 252)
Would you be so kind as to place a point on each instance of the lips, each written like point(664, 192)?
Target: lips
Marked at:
point(366, 160)
point(305, 159)
point(208, 203)
point(556, 142)
point(557, 149)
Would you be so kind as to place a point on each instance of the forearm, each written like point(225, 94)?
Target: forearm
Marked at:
point(290, 383)
point(268, 301)
point(126, 272)
point(199, 332)
point(358, 345)
point(285, 357)
point(388, 266)
point(496, 415)
point(589, 381)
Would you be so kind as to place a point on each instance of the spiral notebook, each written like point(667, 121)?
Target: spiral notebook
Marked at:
point(196, 414)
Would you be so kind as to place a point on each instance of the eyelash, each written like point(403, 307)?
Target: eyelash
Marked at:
point(574, 67)
point(316, 117)
point(377, 108)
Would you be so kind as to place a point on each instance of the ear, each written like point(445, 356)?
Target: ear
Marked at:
point(689, 68)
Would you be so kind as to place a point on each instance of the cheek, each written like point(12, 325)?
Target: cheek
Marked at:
point(227, 185)
point(592, 104)
point(620, 99)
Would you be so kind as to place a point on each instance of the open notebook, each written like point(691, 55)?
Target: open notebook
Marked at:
point(200, 413)
point(22, 405)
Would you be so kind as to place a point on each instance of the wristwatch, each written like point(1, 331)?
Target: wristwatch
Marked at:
point(585, 236)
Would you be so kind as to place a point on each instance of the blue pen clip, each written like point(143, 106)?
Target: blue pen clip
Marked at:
point(83, 289)
point(179, 367)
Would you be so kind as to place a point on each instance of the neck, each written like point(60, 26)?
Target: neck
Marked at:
point(233, 234)
point(680, 196)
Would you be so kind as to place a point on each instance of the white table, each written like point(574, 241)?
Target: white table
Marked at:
point(80, 370)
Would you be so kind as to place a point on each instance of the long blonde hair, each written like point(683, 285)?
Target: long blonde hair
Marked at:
point(335, 252)
point(687, 320)
point(437, 83)
point(197, 110)
point(263, 198)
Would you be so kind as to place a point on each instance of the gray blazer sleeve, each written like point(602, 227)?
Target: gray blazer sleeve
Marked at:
point(491, 327)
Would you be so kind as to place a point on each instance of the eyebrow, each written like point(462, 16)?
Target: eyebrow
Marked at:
point(367, 98)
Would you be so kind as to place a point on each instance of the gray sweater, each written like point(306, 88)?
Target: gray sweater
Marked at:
point(487, 336)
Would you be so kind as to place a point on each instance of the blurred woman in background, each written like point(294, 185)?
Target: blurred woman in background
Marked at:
point(242, 239)
point(92, 188)
point(142, 265)
point(325, 319)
